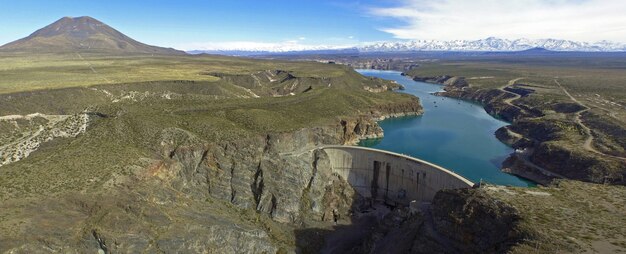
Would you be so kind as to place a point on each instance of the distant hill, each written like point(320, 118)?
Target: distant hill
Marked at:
point(536, 50)
point(82, 34)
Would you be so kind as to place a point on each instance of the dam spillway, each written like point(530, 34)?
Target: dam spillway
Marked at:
point(389, 176)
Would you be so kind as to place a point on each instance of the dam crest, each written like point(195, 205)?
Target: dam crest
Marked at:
point(391, 177)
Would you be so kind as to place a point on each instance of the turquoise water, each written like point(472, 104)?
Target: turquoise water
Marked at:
point(455, 134)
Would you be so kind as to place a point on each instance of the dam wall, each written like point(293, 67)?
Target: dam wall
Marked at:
point(391, 177)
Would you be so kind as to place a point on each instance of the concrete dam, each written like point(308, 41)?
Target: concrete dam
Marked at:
point(391, 177)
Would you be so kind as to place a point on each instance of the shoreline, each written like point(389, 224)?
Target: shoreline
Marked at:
point(508, 166)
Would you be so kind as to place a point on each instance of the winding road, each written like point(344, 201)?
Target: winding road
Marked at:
point(517, 96)
point(588, 144)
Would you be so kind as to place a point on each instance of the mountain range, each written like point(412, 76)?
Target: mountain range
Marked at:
point(82, 34)
point(494, 44)
point(490, 44)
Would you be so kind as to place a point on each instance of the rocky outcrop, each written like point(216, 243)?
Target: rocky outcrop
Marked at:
point(398, 231)
point(475, 222)
point(355, 130)
point(434, 79)
point(493, 101)
point(448, 81)
point(456, 83)
point(517, 165)
point(31, 131)
point(517, 89)
point(511, 138)
point(269, 174)
point(384, 111)
point(578, 165)
point(457, 221)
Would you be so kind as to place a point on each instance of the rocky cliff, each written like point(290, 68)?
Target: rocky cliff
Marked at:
point(457, 221)
point(475, 222)
point(246, 195)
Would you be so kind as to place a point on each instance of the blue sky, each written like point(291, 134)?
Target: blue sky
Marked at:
point(280, 23)
point(179, 23)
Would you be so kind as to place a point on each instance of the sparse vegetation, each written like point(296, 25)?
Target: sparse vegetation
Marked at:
point(570, 216)
point(149, 101)
point(26, 72)
point(128, 118)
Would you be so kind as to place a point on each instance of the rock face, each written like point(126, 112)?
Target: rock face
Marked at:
point(578, 165)
point(517, 165)
point(435, 79)
point(396, 110)
point(475, 222)
point(271, 173)
point(457, 221)
point(493, 101)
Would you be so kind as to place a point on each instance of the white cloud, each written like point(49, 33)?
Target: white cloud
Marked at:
point(582, 20)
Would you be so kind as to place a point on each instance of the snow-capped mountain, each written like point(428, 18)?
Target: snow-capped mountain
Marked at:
point(493, 44)
point(490, 44)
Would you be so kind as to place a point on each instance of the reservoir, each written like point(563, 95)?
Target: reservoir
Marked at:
point(455, 134)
